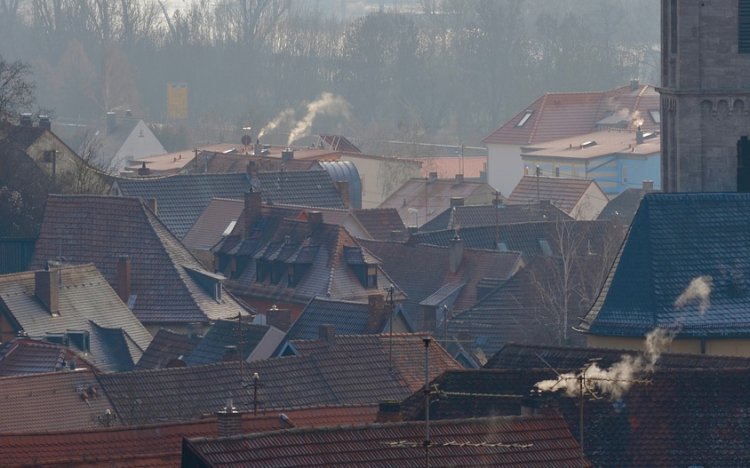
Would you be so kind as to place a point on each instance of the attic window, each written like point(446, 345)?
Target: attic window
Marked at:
point(372, 277)
point(525, 118)
point(262, 268)
point(655, 115)
point(80, 339)
point(502, 247)
point(546, 249)
point(57, 338)
point(482, 341)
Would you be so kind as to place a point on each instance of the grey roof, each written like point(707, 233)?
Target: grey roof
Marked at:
point(226, 333)
point(180, 199)
point(694, 246)
point(301, 188)
point(488, 215)
point(624, 206)
point(563, 193)
point(87, 303)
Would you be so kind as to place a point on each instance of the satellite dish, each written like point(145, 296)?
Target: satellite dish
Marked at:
point(247, 140)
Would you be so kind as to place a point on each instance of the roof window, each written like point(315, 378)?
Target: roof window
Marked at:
point(525, 118)
point(655, 115)
point(546, 249)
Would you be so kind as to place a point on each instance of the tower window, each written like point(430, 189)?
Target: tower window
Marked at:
point(743, 26)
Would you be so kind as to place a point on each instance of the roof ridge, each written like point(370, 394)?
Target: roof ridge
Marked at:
point(538, 117)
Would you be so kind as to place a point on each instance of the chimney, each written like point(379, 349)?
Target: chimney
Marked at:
point(397, 236)
point(544, 202)
point(46, 288)
point(498, 202)
point(286, 155)
point(389, 411)
point(129, 113)
point(483, 176)
point(375, 314)
point(430, 318)
point(464, 338)
point(45, 123)
point(143, 170)
point(111, 122)
point(253, 203)
point(634, 84)
point(536, 404)
point(257, 150)
point(457, 201)
point(412, 230)
point(229, 421)
point(194, 329)
point(648, 185)
point(26, 119)
point(327, 332)
point(456, 253)
point(639, 136)
point(230, 354)
point(314, 219)
point(252, 169)
point(459, 179)
point(152, 205)
point(124, 278)
point(342, 187)
point(433, 177)
point(279, 318)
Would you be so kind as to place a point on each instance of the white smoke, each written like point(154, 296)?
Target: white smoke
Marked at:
point(287, 115)
point(636, 119)
point(327, 104)
point(619, 377)
point(698, 290)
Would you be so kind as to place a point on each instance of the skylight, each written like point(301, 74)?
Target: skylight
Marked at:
point(525, 119)
point(655, 115)
point(229, 229)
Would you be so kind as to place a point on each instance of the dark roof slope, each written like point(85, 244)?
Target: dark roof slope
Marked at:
point(349, 318)
point(101, 229)
point(467, 216)
point(165, 347)
point(301, 188)
point(624, 206)
point(527, 443)
point(24, 356)
point(686, 257)
point(381, 222)
point(225, 333)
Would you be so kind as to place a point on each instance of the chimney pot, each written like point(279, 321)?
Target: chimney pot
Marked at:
point(376, 316)
point(459, 179)
point(648, 185)
point(457, 201)
point(456, 253)
point(327, 332)
point(314, 219)
point(124, 278)
point(111, 122)
point(229, 421)
point(46, 288)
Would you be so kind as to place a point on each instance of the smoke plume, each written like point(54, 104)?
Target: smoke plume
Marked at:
point(698, 290)
point(327, 104)
point(287, 115)
point(619, 377)
point(636, 119)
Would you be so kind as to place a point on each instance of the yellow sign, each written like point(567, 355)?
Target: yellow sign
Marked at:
point(177, 104)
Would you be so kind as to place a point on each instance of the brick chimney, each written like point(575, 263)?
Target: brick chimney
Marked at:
point(389, 411)
point(253, 203)
point(111, 122)
point(459, 179)
point(143, 170)
point(342, 187)
point(229, 421)
point(314, 219)
point(456, 253)
point(376, 314)
point(279, 318)
point(327, 332)
point(46, 288)
point(230, 354)
point(457, 201)
point(648, 185)
point(287, 155)
point(429, 317)
point(639, 136)
point(124, 278)
point(45, 123)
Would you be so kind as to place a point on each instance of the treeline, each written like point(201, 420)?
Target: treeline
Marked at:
point(451, 73)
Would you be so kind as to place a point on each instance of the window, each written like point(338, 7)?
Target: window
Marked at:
point(291, 278)
point(372, 276)
point(229, 228)
point(546, 249)
point(525, 118)
point(557, 171)
point(261, 270)
point(502, 247)
point(49, 155)
point(743, 24)
point(655, 115)
point(575, 171)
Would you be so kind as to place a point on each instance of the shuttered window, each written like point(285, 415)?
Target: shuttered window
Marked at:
point(743, 21)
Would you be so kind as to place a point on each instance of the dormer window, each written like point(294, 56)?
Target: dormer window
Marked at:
point(363, 264)
point(546, 249)
point(372, 277)
point(525, 118)
point(262, 268)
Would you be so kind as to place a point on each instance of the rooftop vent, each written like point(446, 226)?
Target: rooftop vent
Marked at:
point(588, 144)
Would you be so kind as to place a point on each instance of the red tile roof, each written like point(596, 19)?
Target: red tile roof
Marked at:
point(522, 443)
point(380, 222)
point(563, 193)
point(562, 115)
point(322, 416)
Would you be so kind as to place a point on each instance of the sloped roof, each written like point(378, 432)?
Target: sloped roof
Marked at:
point(87, 303)
point(225, 333)
point(24, 356)
point(380, 222)
point(683, 417)
point(535, 356)
point(677, 240)
point(301, 188)
point(212, 222)
point(560, 115)
point(165, 347)
point(349, 318)
point(430, 197)
point(21, 135)
point(624, 206)
point(561, 192)
point(540, 442)
point(348, 355)
point(51, 401)
point(421, 270)
point(101, 229)
point(111, 142)
point(447, 167)
point(467, 216)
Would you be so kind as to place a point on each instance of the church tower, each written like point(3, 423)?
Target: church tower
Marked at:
point(705, 95)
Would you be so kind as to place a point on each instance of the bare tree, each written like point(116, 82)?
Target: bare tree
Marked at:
point(16, 88)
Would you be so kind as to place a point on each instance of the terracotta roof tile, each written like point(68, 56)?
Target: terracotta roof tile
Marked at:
point(380, 222)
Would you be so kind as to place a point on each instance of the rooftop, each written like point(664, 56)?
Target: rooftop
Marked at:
point(562, 192)
point(596, 145)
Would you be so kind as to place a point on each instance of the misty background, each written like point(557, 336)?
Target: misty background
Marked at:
point(441, 71)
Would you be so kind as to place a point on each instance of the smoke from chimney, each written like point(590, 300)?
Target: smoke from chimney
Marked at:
point(327, 104)
point(287, 115)
point(698, 290)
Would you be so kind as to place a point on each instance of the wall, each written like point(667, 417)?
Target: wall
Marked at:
point(381, 176)
point(504, 167)
point(137, 146)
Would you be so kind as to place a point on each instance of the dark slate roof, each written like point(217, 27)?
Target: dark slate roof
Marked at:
point(533, 356)
point(225, 333)
point(20, 135)
point(301, 188)
point(683, 417)
point(624, 206)
point(180, 199)
point(349, 318)
point(165, 347)
point(561, 192)
point(24, 356)
point(541, 442)
point(425, 269)
point(381, 222)
point(677, 240)
point(525, 237)
point(101, 229)
point(87, 303)
point(487, 215)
